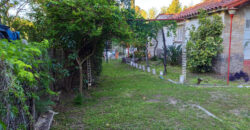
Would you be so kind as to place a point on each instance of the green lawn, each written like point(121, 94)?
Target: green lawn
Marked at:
point(131, 99)
point(174, 72)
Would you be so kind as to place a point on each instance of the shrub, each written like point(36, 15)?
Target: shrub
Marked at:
point(154, 58)
point(205, 43)
point(24, 78)
point(78, 100)
point(139, 54)
point(174, 54)
point(238, 76)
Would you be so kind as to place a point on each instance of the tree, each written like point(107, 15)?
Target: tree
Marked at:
point(128, 4)
point(144, 32)
point(174, 7)
point(137, 9)
point(185, 7)
point(6, 6)
point(152, 13)
point(171, 28)
point(156, 26)
point(144, 14)
point(164, 10)
point(26, 28)
point(132, 4)
point(82, 29)
point(205, 43)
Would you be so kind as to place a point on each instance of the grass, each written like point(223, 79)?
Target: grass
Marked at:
point(174, 72)
point(130, 99)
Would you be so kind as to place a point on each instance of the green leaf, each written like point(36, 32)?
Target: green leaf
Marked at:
point(2, 125)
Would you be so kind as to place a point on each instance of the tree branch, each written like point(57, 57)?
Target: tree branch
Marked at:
point(92, 53)
point(78, 59)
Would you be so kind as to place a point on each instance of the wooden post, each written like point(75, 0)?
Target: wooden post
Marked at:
point(165, 53)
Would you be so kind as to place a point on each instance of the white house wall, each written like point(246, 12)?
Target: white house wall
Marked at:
point(159, 49)
point(188, 26)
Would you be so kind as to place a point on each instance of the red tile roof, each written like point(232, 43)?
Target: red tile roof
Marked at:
point(209, 5)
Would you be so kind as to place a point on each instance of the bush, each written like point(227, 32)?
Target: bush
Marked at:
point(238, 76)
point(174, 54)
point(78, 100)
point(154, 58)
point(205, 43)
point(24, 77)
point(139, 54)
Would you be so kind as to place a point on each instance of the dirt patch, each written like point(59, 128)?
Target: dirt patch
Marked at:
point(241, 112)
point(102, 99)
point(153, 101)
point(172, 101)
point(218, 96)
point(158, 96)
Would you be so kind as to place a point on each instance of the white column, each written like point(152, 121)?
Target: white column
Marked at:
point(161, 73)
point(143, 67)
point(153, 71)
point(148, 68)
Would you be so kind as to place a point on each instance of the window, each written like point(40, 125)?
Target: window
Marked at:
point(179, 34)
point(248, 23)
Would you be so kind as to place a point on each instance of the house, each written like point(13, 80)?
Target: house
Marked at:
point(240, 49)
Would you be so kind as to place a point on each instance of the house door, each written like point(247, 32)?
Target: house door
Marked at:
point(246, 42)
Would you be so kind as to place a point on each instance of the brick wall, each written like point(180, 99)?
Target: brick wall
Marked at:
point(247, 66)
point(237, 48)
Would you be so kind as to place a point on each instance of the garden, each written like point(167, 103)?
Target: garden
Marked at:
point(128, 98)
point(52, 74)
point(202, 49)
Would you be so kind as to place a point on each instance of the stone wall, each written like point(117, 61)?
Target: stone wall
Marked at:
point(237, 56)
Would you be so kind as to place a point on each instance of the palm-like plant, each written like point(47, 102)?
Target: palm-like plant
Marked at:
point(174, 54)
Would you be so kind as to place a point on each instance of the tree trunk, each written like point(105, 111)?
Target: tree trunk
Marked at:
point(80, 63)
point(107, 58)
point(147, 54)
point(128, 51)
point(81, 78)
point(156, 45)
point(165, 53)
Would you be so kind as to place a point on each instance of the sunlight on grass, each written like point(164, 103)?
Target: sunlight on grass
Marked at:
point(127, 98)
point(174, 72)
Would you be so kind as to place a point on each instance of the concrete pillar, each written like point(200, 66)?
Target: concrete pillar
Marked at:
point(182, 79)
point(148, 68)
point(184, 62)
point(153, 71)
point(161, 73)
point(143, 67)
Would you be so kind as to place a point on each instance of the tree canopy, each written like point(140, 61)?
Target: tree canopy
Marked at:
point(164, 10)
point(174, 7)
point(152, 13)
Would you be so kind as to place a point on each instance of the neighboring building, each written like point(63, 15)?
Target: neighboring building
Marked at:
point(240, 49)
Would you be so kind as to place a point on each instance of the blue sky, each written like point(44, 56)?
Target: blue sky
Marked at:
point(147, 4)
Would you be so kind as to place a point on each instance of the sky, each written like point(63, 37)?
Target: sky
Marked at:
point(147, 4)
